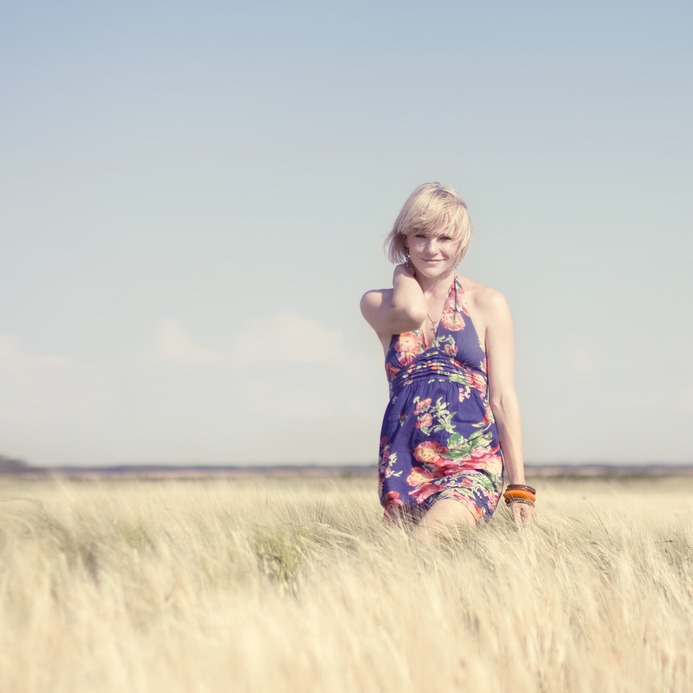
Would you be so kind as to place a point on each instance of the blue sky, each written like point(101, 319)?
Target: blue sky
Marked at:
point(194, 198)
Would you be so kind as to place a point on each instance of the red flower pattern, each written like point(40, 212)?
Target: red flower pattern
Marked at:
point(391, 371)
point(421, 405)
point(426, 421)
point(392, 500)
point(453, 322)
point(477, 381)
point(430, 452)
point(421, 479)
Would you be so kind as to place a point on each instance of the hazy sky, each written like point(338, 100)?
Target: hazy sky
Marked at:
point(194, 197)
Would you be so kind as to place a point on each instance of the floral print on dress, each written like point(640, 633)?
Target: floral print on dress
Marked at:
point(439, 438)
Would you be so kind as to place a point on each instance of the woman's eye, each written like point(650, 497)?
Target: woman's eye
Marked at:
point(445, 239)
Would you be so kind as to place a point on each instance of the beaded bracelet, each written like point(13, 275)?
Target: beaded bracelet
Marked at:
point(522, 487)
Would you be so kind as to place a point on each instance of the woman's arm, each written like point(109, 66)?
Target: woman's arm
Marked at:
point(500, 353)
point(400, 310)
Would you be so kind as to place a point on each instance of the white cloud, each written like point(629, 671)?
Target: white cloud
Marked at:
point(686, 399)
point(171, 343)
point(289, 337)
point(581, 361)
point(11, 356)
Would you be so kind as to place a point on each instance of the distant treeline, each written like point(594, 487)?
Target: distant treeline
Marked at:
point(8, 465)
point(13, 466)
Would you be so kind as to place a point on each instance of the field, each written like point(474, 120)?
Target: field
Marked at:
point(294, 584)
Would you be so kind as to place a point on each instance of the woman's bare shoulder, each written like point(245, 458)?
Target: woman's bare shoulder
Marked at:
point(483, 298)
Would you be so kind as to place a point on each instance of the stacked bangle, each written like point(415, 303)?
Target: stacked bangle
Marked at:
point(520, 493)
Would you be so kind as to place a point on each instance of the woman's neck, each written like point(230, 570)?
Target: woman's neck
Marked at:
point(439, 285)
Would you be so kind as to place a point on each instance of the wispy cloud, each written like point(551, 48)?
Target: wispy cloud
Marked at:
point(580, 360)
point(171, 343)
point(12, 356)
point(289, 337)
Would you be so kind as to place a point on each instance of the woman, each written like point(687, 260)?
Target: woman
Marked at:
point(453, 421)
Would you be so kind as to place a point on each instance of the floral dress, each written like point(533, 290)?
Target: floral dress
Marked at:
point(439, 438)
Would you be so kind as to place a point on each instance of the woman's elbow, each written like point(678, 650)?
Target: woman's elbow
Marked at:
point(503, 401)
point(410, 317)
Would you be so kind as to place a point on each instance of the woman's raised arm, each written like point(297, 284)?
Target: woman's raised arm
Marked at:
point(396, 310)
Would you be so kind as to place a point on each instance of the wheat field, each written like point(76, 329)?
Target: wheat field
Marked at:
point(295, 584)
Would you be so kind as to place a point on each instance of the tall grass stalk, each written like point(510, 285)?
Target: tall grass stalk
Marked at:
point(296, 585)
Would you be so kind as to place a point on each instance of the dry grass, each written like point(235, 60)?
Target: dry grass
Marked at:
point(295, 585)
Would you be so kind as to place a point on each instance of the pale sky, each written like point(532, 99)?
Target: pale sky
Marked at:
point(194, 197)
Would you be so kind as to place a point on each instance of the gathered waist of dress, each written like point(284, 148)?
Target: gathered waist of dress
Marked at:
point(434, 367)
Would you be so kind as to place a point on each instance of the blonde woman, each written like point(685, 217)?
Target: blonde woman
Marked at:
point(452, 425)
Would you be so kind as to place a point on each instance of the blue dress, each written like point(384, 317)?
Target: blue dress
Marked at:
point(439, 438)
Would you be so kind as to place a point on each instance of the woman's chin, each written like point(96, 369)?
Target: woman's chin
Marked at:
point(434, 272)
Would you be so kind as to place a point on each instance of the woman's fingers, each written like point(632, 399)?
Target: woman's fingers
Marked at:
point(522, 513)
point(406, 268)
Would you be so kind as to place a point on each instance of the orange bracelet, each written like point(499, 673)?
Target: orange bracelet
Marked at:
point(519, 493)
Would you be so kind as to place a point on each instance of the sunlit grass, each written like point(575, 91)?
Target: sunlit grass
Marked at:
point(295, 584)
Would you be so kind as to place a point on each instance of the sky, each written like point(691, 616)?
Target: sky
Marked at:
point(194, 197)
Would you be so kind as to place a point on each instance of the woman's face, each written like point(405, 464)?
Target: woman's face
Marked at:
point(433, 255)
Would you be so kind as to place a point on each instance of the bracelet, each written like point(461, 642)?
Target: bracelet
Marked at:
point(511, 501)
point(522, 487)
point(519, 493)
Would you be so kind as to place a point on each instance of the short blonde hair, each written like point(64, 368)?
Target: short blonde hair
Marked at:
point(431, 208)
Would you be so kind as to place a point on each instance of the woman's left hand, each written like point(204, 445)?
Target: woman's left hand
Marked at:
point(522, 513)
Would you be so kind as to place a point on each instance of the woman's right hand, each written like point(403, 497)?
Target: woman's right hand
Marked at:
point(396, 310)
point(406, 269)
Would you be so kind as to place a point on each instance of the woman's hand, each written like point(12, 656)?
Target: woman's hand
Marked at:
point(397, 310)
point(405, 269)
point(522, 513)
